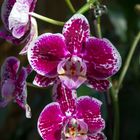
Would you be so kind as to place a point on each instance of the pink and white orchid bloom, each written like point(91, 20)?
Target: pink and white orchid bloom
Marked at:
point(71, 118)
point(74, 57)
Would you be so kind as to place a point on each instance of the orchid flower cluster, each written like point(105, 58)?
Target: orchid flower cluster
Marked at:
point(64, 60)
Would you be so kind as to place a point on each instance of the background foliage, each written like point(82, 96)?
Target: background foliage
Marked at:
point(120, 25)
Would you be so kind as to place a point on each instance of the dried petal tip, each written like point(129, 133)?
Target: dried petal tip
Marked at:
point(28, 111)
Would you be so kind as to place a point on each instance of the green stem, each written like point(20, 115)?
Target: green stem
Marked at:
point(83, 9)
point(99, 27)
point(70, 6)
point(46, 19)
point(115, 103)
point(128, 60)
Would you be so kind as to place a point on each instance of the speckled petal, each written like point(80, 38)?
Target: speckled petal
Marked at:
point(45, 53)
point(43, 81)
point(89, 109)
point(65, 97)
point(9, 69)
point(99, 85)
point(76, 30)
point(98, 136)
point(33, 35)
point(18, 19)
point(103, 59)
point(50, 122)
point(21, 92)
point(5, 11)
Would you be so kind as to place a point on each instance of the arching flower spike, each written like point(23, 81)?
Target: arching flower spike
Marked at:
point(13, 84)
point(74, 57)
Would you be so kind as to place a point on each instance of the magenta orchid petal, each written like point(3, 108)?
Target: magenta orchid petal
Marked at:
point(43, 81)
point(75, 31)
point(50, 122)
point(46, 52)
point(99, 85)
point(98, 136)
point(89, 109)
point(65, 97)
point(9, 69)
point(32, 36)
point(103, 59)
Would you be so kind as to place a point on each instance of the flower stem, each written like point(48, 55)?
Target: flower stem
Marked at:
point(115, 91)
point(46, 19)
point(128, 60)
point(70, 6)
point(115, 103)
point(99, 27)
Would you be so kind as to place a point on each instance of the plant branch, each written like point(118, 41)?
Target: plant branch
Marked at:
point(128, 60)
point(46, 19)
point(68, 2)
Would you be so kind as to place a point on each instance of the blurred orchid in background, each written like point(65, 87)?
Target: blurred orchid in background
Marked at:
point(13, 84)
point(19, 26)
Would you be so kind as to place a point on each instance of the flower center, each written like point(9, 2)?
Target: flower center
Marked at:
point(72, 70)
point(75, 128)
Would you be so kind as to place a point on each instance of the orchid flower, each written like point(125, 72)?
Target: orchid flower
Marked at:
point(13, 84)
point(74, 57)
point(71, 118)
point(20, 27)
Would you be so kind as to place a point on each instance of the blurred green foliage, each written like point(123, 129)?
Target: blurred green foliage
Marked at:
point(120, 25)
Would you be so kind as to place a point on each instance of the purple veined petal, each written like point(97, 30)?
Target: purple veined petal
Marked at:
point(18, 19)
point(89, 109)
point(65, 97)
point(98, 136)
point(43, 81)
point(46, 52)
point(50, 122)
point(75, 31)
point(72, 72)
point(103, 59)
point(9, 69)
point(32, 37)
point(5, 11)
point(21, 92)
point(99, 85)
point(3, 102)
point(7, 91)
point(4, 34)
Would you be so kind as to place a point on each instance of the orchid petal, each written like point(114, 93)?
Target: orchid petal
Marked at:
point(89, 109)
point(33, 35)
point(50, 122)
point(21, 92)
point(76, 30)
point(9, 69)
point(18, 19)
point(65, 97)
point(98, 136)
point(43, 81)
point(5, 11)
point(45, 53)
point(103, 59)
point(99, 85)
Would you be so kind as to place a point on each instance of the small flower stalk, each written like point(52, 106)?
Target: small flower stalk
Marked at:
point(64, 61)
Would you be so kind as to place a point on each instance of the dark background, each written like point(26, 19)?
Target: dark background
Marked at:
point(120, 25)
